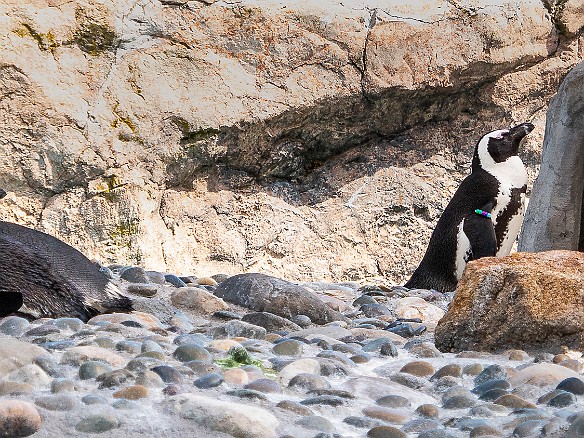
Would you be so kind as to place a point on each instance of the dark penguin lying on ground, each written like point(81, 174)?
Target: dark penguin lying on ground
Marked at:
point(484, 216)
point(41, 276)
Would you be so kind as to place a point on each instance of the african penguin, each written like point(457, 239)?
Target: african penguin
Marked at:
point(41, 276)
point(483, 217)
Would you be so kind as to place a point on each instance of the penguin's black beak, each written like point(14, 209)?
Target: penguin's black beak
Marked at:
point(520, 131)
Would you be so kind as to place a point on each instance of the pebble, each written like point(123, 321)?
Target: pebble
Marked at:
point(315, 422)
point(393, 401)
point(63, 385)
point(97, 424)
point(418, 368)
point(190, 352)
point(18, 418)
point(168, 374)
point(15, 388)
point(60, 402)
point(385, 414)
point(288, 347)
point(210, 380)
point(134, 392)
point(295, 407)
point(385, 432)
point(14, 326)
point(574, 385)
point(265, 386)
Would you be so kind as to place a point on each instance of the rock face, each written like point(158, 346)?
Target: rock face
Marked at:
point(555, 216)
point(299, 138)
point(524, 300)
point(269, 294)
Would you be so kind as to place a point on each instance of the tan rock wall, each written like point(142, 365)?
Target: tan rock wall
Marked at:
point(304, 139)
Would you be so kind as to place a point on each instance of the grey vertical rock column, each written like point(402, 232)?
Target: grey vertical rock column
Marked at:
point(555, 215)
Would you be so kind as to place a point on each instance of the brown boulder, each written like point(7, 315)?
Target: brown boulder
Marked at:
point(525, 300)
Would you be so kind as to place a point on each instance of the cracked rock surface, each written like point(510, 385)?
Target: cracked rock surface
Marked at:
point(301, 138)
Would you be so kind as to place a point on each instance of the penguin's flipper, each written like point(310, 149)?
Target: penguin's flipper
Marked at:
point(481, 235)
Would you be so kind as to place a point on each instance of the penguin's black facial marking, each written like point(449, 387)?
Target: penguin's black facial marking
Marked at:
point(505, 144)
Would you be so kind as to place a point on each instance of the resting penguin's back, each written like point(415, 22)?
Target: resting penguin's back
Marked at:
point(446, 252)
point(53, 278)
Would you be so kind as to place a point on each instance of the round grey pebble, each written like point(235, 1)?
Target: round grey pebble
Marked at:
point(135, 275)
point(492, 372)
point(302, 320)
point(211, 380)
point(93, 399)
point(529, 428)
point(14, 326)
point(434, 433)
point(113, 378)
point(289, 347)
point(421, 424)
point(265, 385)
point(168, 374)
point(189, 352)
point(562, 400)
point(149, 345)
point(393, 401)
point(295, 407)
point(63, 385)
point(385, 432)
point(573, 385)
point(149, 379)
point(130, 347)
point(489, 385)
point(361, 422)
point(247, 394)
point(453, 370)
point(364, 299)
point(97, 424)
point(73, 324)
point(143, 290)
point(60, 402)
point(308, 382)
point(126, 405)
point(459, 402)
point(328, 400)
point(493, 394)
point(428, 411)
point(374, 310)
point(92, 369)
point(315, 422)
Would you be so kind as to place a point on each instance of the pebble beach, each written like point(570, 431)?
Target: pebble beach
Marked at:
point(188, 363)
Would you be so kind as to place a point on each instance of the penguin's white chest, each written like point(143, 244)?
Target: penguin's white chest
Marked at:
point(463, 251)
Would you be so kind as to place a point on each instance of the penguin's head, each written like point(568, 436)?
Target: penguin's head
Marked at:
point(499, 146)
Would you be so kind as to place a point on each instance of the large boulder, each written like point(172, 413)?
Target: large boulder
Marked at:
point(555, 215)
point(527, 301)
point(264, 293)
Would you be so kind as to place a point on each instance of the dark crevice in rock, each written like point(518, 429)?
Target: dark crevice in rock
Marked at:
point(581, 241)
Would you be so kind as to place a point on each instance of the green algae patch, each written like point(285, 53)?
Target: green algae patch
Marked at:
point(239, 356)
point(92, 36)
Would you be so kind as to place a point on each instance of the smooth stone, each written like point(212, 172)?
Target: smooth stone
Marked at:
point(18, 418)
point(385, 432)
point(331, 367)
point(374, 310)
point(151, 346)
point(529, 428)
point(63, 385)
point(73, 324)
point(14, 326)
point(426, 350)
point(459, 402)
point(513, 401)
point(135, 275)
point(130, 347)
point(489, 385)
point(315, 422)
point(156, 277)
point(485, 430)
point(544, 399)
point(105, 343)
point(541, 374)
point(385, 414)
point(472, 369)
point(418, 368)
point(294, 406)
point(247, 394)
point(517, 355)
point(302, 320)
point(134, 392)
point(113, 378)
point(15, 388)
point(562, 400)
point(59, 402)
point(378, 344)
point(49, 366)
point(192, 338)
point(43, 330)
point(59, 345)
point(168, 374)
point(98, 423)
point(211, 380)
point(364, 299)
point(576, 429)
point(236, 376)
point(306, 365)
point(360, 358)
point(402, 329)
point(271, 322)
point(434, 433)
point(393, 401)
point(144, 290)
point(428, 411)
point(149, 379)
point(265, 385)
point(328, 400)
point(125, 405)
point(237, 328)
point(78, 355)
point(409, 380)
point(189, 352)
point(142, 363)
point(198, 300)
point(289, 347)
point(361, 422)
point(236, 419)
point(574, 385)
point(420, 425)
point(572, 364)
point(93, 399)
point(453, 370)
point(308, 382)
point(175, 280)
point(200, 367)
point(493, 394)
point(492, 372)
point(32, 374)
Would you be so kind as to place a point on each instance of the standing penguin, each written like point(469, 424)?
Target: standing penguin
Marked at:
point(41, 276)
point(483, 217)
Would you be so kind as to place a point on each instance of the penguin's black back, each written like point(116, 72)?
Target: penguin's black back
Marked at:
point(437, 270)
point(54, 278)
